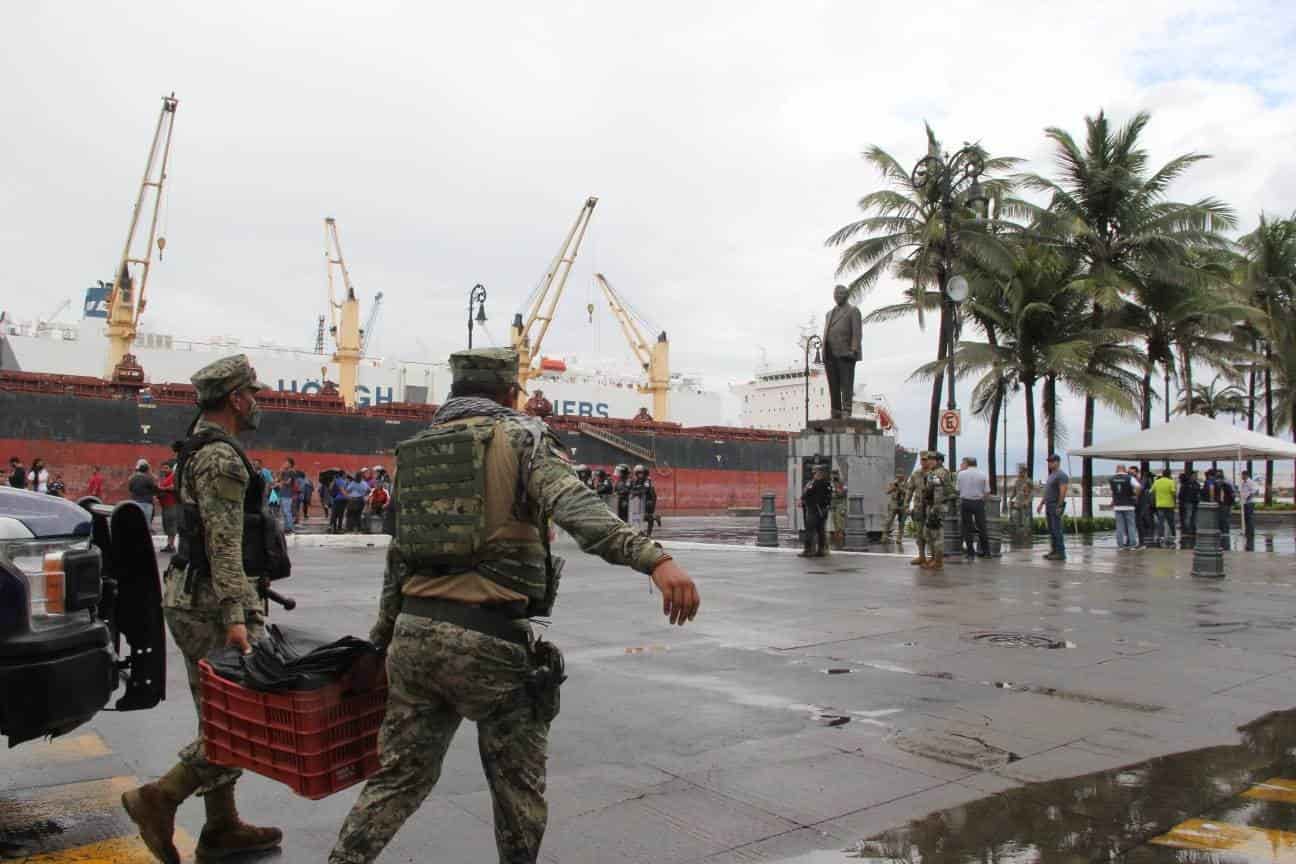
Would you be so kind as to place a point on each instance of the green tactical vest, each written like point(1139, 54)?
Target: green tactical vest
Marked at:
point(441, 512)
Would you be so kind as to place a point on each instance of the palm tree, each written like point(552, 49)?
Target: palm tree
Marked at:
point(1109, 211)
point(904, 234)
point(1212, 400)
point(1270, 280)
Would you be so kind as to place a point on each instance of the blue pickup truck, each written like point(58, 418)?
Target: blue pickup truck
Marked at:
point(80, 613)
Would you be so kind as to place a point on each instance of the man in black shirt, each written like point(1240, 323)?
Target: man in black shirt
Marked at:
point(17, 473)
point(1189, 495)
point(816, 498)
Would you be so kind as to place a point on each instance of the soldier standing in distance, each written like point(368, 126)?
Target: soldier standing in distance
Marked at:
point(623, 486)
point(454, 606)
point(839, 496)
point(897, 496)
point(938, 493)
point(916, 491)
point(1023, 491)
point(209, 602)
point(816, 499)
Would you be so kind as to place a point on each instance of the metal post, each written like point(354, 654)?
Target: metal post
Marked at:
point(767, 529)
point(857, 539)
point(817, 342)
point(1207, 559)
point(477, 294)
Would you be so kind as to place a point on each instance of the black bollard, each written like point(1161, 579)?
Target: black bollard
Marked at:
point(953, 531)
point(1207, 558)
point(995, 527)
point(857, 539)
point(767, 529)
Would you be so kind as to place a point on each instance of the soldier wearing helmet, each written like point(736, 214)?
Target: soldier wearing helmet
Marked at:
point(621, 484)
point(643, 499)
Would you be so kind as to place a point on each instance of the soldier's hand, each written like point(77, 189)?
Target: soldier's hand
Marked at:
point(237, 637)
point(680, 600)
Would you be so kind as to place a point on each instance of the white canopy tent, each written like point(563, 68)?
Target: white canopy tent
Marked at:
point(1193, 437)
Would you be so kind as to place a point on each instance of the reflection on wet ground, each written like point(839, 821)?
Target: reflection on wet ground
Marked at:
point(1220, 804)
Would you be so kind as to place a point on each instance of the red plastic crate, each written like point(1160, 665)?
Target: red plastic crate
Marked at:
point(315, 741)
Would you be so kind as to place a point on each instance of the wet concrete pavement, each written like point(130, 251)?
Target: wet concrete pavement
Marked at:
point(813, 705)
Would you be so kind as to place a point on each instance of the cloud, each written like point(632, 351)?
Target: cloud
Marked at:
point(455, 145)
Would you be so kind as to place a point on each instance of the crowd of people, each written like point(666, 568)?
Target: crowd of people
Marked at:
point(629, 493)
point(1151, 508)
point(37, 478)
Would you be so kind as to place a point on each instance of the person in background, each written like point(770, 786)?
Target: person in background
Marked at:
point(973, 489)
point(605, 490)
point(94, 488)
point(1125, 489)
point(1163, 495)
point(170, 504)
point(17, 473)
point(38, 477)
point(357, 490)
point(307, 490)
point(1225, 495)
point(143, 489)
point(1145, 510)
point(287, 492)
point(839, 499)
point(56, 486)
point(1250, 491)
point(378, 499)
point(1055, 491)
point(337, 510)
point(267, 477)
point(1189, 493)
point(816, 498)
point(623, 492)
point(1023, 490)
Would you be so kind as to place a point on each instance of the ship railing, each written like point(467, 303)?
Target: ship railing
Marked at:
point(614, 440)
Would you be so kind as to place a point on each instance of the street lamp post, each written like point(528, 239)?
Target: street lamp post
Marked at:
point(950, 181)
point(476, 295)
point(817, 342)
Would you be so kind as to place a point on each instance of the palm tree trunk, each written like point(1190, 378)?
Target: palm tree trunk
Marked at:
point(1086, 465)
point(1165, 371)
point(938, 380)
point(1146, 420)
point(1030, 427)
point(1269, 423)
point(1050, 413)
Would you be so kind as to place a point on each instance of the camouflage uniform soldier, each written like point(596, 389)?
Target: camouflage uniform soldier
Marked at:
point(840, 494)
point(938, 492)
point(456, 597)
point(209, 602)
point(914, 491)
point(1023, 491)
point(897, 497)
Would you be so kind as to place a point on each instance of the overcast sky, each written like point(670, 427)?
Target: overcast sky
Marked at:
point(455, 143)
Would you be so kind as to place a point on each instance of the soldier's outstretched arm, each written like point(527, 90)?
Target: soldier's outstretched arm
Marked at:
point(557, 490)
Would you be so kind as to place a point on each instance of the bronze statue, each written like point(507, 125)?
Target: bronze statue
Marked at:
point(841, 351)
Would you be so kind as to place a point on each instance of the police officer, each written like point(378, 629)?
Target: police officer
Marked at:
point(897, 497)
point(642, 486)
point(604, 489)
point(839, 495)
point(938, 492)
point(210, 601)
point(916, 491)
point(816, 499)
point(1023, 491)
point(586, 477)
point(622, 487)
point(454, 607)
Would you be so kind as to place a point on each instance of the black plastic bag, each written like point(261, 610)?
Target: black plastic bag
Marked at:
point(276, 665)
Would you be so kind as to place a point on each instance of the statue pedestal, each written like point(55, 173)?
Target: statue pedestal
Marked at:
point(855, 448)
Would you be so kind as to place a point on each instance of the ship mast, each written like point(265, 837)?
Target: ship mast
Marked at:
point(654, 358)
point(546, 298)
point(345, 315)
point(126, 301)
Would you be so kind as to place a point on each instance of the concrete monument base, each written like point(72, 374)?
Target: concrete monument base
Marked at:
point(854, 447)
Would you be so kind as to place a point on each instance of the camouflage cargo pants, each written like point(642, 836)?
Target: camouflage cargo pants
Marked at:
point(196, 633)
point(438, 674)
point(895, 516)
point(934, 537)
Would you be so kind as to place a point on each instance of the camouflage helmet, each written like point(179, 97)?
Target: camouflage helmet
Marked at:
point(488, 368)
point(222, 377)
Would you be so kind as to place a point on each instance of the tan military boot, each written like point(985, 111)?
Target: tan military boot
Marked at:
point(937, 562)
point(152, 807)
point(921, 560)
point(225, 834)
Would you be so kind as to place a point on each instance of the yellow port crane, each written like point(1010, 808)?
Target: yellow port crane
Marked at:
point(654, 358)
point(545, 299)
point(127, 299)
point(345, 316)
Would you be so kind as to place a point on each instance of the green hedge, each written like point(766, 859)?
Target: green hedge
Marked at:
point(1082, 524)
point(1275, 507)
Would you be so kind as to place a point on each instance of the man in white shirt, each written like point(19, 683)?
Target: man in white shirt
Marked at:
point(973, 489)
point(1250, 493)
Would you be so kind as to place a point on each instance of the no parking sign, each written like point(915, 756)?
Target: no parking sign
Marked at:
point(951, 422)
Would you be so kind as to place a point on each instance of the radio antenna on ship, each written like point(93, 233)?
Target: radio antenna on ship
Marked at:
point(127, 299)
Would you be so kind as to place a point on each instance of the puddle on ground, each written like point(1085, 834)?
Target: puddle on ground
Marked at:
point(1229, 798)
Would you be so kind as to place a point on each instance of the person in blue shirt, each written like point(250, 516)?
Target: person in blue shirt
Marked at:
point(338, 491)
point(356, 492)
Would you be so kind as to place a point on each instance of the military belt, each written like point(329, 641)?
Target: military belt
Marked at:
point(500, 620)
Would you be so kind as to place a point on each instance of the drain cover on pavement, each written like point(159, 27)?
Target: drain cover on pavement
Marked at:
point(1017, 640)
point(966, 751)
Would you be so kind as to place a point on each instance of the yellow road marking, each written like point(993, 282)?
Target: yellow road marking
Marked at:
point(1274, 789)
point(1204, 835)
point(59, 751)
point(119, 850)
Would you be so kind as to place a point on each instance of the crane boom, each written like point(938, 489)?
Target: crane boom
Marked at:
point(546, 299)
point(345, 316)
point(371, 323)
point(654, 358)
point(126, 302)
